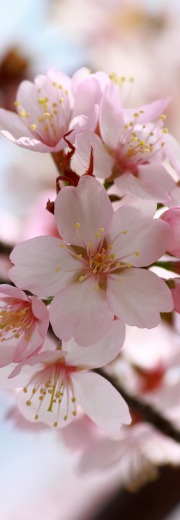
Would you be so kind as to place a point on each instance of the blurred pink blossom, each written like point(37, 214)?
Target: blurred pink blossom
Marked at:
point(172, 216)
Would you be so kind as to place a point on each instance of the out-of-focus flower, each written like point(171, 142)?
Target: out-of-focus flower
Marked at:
point(100, 269)
point(51, 107)
point(140, 449)
point(172, 216)
point(23, 325)
point(57, 381)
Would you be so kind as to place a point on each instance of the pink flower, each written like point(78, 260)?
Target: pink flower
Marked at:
point(137, 453)
point(23, 324)
point(58, 381)
point(130, 148)
point(175, 291)
point(172, 216)
point(94, 271)
point(51, 106)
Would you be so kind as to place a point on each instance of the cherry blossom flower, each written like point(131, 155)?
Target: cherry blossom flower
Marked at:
point(130, 148)
point(137, 453)
point(93, 271)
point(172, 216)
point(23, 325)
point(52, 106)
point(58, 381)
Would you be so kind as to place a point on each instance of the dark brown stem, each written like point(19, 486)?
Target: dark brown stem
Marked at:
point(145, 411)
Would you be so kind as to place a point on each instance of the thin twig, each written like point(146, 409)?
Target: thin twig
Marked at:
point(144, 410)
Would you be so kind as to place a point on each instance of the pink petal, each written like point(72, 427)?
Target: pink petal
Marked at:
point(103, 162)
point(144, 240)
point(13, 292)
point(90, 207)
point(138, 296)
point(172, 217)
point(101, 402)
point(151, 111)
point(80, 311)
point(111, 119)
point(153, 183)
point(99, 354)
point(42, 266)
point(12, 126)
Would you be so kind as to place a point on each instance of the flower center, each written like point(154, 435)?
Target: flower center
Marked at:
point(15, 319)
point(52, 391)
point(101, 261)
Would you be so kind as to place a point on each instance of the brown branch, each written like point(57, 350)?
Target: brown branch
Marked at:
point(144, 410)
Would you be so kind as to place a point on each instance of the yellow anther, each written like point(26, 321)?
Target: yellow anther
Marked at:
point(136, 114)
point(73, 399)
point(16, 103)
point(123, 78)
point(60, 87)
point(57, 269)
point(36, 417)
point(97, 235)
point(66, 92)
point(151, 133)
point(33, 390)
point(40, 119)
point(120, 279)
point(101, 230)
point(23, 113)
point(39, 90)
point(54, 105)
point(54, 84)
point(117, 264)
point(55, 424)
point(79, 256)
point(65, 417)
point(81, 278)
point(41, 397)
point(33, 127)
point(128, 265)
point(96, 288)
point(28, 403)
point(55, 112)
point(47, 115)
point(77, 225)
point(74, 413)
point(125, 232)
point(131, 79)
point(46, 128)
point(163, 117)
point(126, 127)
point(165, 130)
point(61, 100)
point(137, 253)
point(25, 390)
point(142, 143)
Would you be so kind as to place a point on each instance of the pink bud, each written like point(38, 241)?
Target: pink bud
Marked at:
point(172, 217)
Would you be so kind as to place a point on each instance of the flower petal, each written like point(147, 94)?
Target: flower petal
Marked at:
point(42, 266)
point(80, 311)
point(99, 354)
point(91, 210)
point(138, 296)
point(103, 162)
point(137, 239)
point(111, 119)
point(101, 402)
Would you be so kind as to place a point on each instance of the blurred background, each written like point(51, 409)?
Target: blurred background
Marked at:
point(139, 38)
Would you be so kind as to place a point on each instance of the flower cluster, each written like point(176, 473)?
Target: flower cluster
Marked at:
point(98, 274)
